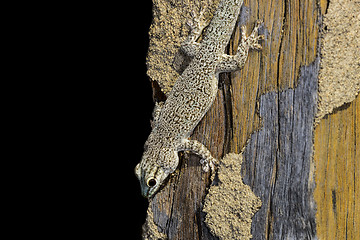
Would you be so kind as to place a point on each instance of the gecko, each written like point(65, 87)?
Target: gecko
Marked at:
point(193, 94)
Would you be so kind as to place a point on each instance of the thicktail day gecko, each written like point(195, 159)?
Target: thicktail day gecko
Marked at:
point(192, 95)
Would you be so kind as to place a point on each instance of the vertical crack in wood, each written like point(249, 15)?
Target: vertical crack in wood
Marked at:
point(226, 89)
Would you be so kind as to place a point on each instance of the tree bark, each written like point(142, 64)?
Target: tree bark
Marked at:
point(265, 112)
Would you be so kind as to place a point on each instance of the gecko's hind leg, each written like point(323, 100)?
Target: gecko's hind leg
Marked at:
point(251, 41)
point(207, 161)
point(197, 25)
point(235, 62)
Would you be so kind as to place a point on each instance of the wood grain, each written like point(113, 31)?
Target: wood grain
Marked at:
point(291, 30)
point(277, 161)
point(268, 107)
point(337, 159)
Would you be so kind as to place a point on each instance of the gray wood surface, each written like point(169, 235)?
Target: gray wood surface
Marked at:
point(277, 161)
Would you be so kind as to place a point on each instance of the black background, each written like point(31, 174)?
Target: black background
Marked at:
point(138, 115)
point(110, 115)
point(87, 117)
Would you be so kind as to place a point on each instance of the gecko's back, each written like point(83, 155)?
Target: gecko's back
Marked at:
point(187, 103)
point(196, 88)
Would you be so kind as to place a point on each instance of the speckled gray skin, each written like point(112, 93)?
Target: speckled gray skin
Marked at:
point(192, 96)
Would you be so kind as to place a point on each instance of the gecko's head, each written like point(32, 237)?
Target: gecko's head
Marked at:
point(150, 182)
point(152, 172)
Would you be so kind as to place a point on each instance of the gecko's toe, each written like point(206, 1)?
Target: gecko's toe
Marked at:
point(257, 46)
point(205, 165)
point(209, 164)
point(259, 22)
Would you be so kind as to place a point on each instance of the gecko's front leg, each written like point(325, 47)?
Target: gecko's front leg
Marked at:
point(198, 148)
point(156, 113)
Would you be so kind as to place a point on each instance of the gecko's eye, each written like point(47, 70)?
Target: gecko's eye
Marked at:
point(151, 182)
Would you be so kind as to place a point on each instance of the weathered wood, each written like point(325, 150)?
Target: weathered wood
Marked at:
point(337, 159)
point(277, 162)
point(268, 107)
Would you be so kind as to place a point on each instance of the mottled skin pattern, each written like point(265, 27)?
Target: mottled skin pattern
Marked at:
point(192, 96)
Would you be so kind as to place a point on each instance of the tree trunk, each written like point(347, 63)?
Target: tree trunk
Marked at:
point(265, 114)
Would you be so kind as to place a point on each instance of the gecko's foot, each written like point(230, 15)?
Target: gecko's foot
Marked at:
point(197, 24)
point(208, 164)
point(252, 41)
point(207, 161)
